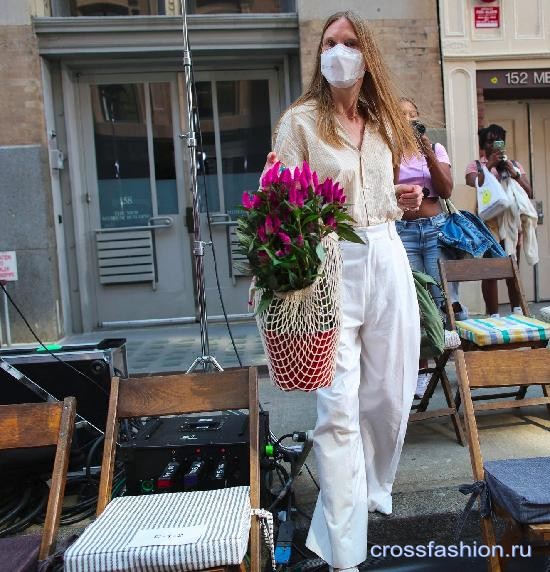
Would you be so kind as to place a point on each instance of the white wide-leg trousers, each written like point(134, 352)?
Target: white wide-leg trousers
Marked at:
point(362, 417)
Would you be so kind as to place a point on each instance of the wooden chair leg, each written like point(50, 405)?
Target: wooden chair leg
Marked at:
point(435, 376)
point(255, 546)
point(457, 400)
point(546, 393)
point(488, 533)
point(455, 418)
point(512, 536)
point(425, 400)
point(521, 392)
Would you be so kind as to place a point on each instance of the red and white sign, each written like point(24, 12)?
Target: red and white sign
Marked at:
point(487, 16)
point(8, 266)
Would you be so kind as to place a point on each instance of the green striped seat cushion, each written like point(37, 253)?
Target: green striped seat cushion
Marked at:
point(505, 330)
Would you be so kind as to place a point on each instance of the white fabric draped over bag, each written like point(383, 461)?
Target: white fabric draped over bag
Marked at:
point(522, 216)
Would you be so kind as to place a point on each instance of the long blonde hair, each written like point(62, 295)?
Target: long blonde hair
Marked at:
point(377, 101)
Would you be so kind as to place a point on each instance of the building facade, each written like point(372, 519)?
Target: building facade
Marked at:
point(95, 191)
point(496, 68)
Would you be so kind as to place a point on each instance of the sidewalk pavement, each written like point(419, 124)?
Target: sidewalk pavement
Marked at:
point(426, 497)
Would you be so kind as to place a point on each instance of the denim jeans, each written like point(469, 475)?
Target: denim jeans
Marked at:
point(420, 239)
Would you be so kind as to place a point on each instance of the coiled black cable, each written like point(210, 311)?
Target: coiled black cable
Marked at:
point(29, 511)
point(19, 506)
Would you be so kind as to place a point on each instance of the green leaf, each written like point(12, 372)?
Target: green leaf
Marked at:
point(310, 218)
point(264, 303)
point(320, 251)
point(243, 267)
point(292, 279)
point(347, 233)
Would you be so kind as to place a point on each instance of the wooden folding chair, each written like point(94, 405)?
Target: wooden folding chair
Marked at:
point(40, 425)
point(182, 394)
point(419, 410)
point(474, 270)
point(505, 368)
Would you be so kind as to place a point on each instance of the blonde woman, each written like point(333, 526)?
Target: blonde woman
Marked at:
point(348, 125)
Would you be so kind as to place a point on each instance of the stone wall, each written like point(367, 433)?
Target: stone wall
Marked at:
point(26, 217)
point(21, 112)
point(26, 223)
point(408, 36)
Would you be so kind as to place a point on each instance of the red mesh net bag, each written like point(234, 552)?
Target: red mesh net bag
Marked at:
point(300, 330)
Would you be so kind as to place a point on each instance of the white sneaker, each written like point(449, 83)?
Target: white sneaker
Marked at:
point(421, 384)
point(352, 569)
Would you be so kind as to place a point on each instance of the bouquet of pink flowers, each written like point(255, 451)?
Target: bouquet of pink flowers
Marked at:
point(285, 222)
point(289, 234)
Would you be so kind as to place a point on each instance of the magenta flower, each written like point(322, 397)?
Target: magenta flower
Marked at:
point(263, 257)
point(295, 196)
point(283, 224)
point(272, 176)
point(274, 199)
point(285, 178)
point(285, 239)
point(272, 224)
point(251, 202)
point(262, 234)
point(330, 221)
point(338, 194)
point(246, 200)
point(326, 191)
point(283, 251)
point(306, 173)
point(304, 183)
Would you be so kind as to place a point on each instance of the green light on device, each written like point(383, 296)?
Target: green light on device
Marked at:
point(50, 348)
point(147, 486)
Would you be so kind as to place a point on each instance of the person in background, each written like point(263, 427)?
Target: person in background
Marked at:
point(430, 168)
point(500, 166)
point(348, 126)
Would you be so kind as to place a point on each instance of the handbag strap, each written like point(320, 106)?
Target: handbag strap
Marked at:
point(449, 207)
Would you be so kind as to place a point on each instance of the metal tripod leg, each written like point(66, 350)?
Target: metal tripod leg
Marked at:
point(208, 363)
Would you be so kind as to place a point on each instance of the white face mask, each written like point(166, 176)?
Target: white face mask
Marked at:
point(342, 66)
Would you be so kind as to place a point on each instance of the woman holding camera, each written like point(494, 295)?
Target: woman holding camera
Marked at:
point(431, 169)
point(492, 140)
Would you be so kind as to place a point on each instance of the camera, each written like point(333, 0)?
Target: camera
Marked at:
point(499, 145)
point(420, 128)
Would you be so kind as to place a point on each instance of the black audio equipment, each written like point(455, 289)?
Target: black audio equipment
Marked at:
point(96, 362)
point(190, 452)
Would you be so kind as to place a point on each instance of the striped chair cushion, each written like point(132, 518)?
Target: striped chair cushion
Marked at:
point(104, 544)
point(505, 330)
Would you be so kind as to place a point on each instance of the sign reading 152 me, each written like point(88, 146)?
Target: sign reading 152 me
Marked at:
point(498, 79)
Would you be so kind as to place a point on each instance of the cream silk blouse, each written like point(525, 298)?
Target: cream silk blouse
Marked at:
point(366, 174)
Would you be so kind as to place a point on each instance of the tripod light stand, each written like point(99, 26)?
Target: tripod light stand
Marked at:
point(205, 361)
